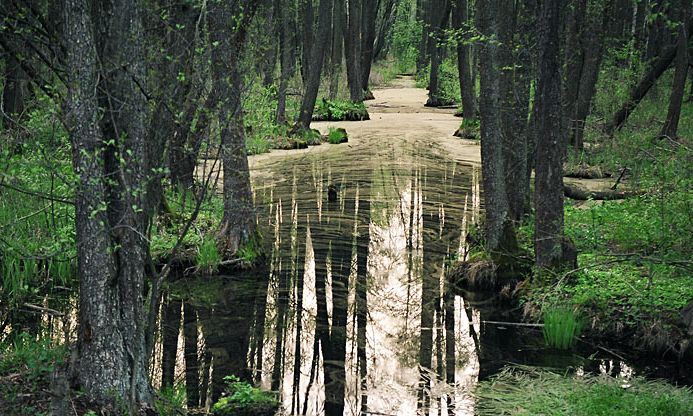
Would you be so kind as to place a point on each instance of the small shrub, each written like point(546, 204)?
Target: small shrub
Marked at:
point(339, 110)
point(244, 399)
point(562, 326)
point(337, 135)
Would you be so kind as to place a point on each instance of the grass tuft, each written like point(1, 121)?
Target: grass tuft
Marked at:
point(562, 326)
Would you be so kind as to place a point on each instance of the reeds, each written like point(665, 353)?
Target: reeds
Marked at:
point(562, 326)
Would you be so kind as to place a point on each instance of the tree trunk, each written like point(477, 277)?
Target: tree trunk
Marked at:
point(227, 37)
point(548, 183)
point(338, 21)
point(514, 93)
point(14, 92)
point(593, 44)
point(467, 87)
point(575, 50)
point(677, 90)
point(640, 90)
point(287, 52)
point(382, 37)
point(439, 18)
point(492, 165)
point(352, 50)
point(369, 9)
point(317, 58)
point(109, 223)
point(307, 38)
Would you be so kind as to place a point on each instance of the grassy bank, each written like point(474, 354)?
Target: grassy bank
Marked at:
point(527, 391)
point(635, 268)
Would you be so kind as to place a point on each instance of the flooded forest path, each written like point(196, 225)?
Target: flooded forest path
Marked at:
point(352, 313)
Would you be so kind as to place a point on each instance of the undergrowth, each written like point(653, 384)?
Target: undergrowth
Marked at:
point(532, 391)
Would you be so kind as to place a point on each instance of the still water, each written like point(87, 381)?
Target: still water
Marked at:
point(351, 313)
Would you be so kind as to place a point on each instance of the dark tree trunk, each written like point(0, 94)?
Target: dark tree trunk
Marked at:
point(368, 14)
point(467, 88)
point(110, 248)
point(514, 94)
point(423, 10)
point(170, 330)
point(270, 61)
point(352, 50)
point(227, 31)
point(14, 92)
point(677, 90)
point(173, 98)
point(551, 144)
point(307, 38)
point(440, 17)
point(382, 37)
point(593, 44)
point(575, 49)
point(287, 53)
point(492, 164)
point(310, 94)
point(338, 22)
point(640, 90)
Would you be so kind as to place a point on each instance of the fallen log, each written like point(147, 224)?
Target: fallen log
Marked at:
point(573, 192)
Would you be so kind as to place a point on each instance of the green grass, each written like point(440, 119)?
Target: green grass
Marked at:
point(562, 326)
point(208, 256)
point(336, 135)
point(528, 391)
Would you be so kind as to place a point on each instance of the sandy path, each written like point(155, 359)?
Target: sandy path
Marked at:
point(399, 122)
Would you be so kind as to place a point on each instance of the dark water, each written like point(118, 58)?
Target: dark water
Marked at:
point(352, 313)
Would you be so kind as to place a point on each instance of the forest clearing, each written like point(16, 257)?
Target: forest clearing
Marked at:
point(346, 207)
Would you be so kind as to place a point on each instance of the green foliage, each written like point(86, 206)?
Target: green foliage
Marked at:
point(166, 228)
point(208, 256)
point(531, 391)
point(448, 80)
point(339, 110)
point(562, 326)
point(171, 400)
point(406, 36)
point(252, 249)
point(336, 135)
point(244, 399)
point(35, 359)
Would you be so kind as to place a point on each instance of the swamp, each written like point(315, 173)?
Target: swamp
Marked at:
point(346, 207)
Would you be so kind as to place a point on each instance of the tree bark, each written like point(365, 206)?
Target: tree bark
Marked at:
point(551, 144)
point(190, 353)
point(492, 165)
point(338, 21)
point(317, 58)
point(352, 50)
point(110, 221)
point(467, 88)
point(439, 18)
point(671, 123)
point(369, 10)
point(227, 32)
point(287, 53)
point(657, 68)
point(593, 44)
point(14, 92)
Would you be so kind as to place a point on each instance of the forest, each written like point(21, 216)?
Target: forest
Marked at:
point(346, 207)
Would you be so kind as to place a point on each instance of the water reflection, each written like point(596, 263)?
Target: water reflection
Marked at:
point(353, 314)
